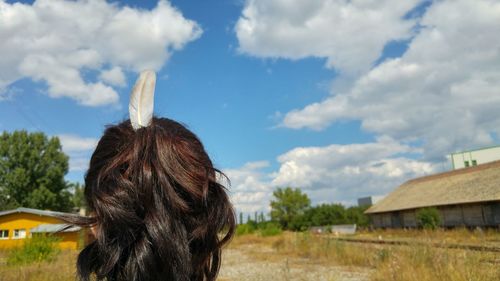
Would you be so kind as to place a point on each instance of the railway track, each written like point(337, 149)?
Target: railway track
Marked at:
point(479, 248)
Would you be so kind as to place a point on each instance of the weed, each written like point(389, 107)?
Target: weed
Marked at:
point(37, 249)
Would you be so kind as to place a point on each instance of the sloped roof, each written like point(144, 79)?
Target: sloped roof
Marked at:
point(34, 212)
point(51, 228)
point(468, 185)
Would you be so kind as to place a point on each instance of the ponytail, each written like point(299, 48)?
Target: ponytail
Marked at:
point(158, 207)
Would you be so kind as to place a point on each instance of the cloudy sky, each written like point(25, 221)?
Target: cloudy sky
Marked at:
point(343, 99)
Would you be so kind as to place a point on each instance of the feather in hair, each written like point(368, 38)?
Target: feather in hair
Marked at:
point(142, 100)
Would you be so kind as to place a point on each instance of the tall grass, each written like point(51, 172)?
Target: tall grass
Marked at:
point(458, 235)
point(389, 263)
point(425, 263)
point(37, 249)
point(61, 268)
point(37, 259)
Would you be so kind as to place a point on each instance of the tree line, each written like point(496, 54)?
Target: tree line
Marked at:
point(291, 209)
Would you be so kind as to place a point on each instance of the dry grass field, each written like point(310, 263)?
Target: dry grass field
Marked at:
point(388, 262)
point(303, 256)
point(61, 269)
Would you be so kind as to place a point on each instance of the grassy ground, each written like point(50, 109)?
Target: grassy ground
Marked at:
point(322, 254)
point(61, 269)
point(393, 263)
point(489, 237)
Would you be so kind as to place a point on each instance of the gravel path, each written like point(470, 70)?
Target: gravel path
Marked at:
point(238, 265)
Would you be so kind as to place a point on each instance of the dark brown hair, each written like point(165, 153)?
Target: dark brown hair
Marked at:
point(158, 207)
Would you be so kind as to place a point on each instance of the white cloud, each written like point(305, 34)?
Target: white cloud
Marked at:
point(73, 143)
point(343, 173)
point(250, 187)
point(56, 42)
point(443, 92)
point(329, 174)
point(113, 76)
point(349, 34)
point(78, 149)
point(78, 163)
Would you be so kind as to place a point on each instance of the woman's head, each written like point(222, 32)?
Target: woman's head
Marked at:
point(158, 209)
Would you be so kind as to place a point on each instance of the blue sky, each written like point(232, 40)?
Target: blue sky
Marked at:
point(342, 99)
point(229, 99)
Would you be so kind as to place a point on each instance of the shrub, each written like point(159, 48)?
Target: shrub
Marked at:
point(270, 229)
point(245, 228)
point(428, 218)
point(37, 249)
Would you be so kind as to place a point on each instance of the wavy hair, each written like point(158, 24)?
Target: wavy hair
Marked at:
point(159, 211)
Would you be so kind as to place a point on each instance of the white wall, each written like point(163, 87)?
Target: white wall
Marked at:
point(481, 156)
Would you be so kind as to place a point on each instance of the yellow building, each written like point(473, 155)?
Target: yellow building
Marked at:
point(22, 223)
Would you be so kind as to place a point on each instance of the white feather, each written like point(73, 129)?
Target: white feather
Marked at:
point(142, 100)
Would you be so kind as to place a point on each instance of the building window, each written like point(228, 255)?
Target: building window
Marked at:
point(19, 233)
point(4, 234)
point(474, 163)
point(466, 163)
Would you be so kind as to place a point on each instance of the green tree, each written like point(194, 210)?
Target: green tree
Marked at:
point(78, 198)
point(356, 215)
point(428, 218)
point(327, 214)
point(321, 215)
point(32, 169)
point(287, 204)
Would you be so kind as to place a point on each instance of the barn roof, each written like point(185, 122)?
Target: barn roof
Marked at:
point(468, 185)
point(34, 212)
